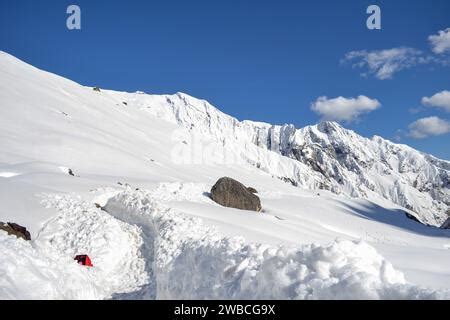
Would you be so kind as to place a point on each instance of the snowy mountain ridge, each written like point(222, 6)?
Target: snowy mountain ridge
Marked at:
point(323, 156)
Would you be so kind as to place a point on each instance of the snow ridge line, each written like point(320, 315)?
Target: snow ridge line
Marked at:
point(192, 261)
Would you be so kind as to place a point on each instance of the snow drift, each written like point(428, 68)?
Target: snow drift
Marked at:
point(184, 259)
point(45, 268)
point(193, 261)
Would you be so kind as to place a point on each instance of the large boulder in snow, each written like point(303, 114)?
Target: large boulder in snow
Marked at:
point(231, 193)
point(16, 230)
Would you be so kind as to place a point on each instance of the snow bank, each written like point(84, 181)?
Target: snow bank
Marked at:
point(193, 261)
point(45, 269)
point(28, 273)
point(142, 249)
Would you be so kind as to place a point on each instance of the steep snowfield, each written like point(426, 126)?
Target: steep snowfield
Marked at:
point(168, 239)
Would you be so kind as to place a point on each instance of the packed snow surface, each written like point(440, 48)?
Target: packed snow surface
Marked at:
point(192, 261)
point(124, 178)
point(45, 269)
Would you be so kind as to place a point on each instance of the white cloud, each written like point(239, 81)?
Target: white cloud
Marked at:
point(440, 100)
point(344, 109)
point(430, 126)
point(384, 63)
point(440, 43)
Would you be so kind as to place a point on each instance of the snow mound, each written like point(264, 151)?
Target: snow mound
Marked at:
point(113, 246)
point(45, 269)
point(193, 261)
point(28, 273)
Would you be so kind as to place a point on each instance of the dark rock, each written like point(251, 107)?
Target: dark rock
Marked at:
point(71, 173)
point(98, 206)
point(125, 103)
point(446, 224)
point(97, 89)
point(16, 230)
point(233, 194)
point(410, 216)
point(289, 180)
point(252, 190)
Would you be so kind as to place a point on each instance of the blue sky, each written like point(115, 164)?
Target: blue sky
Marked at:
point(259, 60)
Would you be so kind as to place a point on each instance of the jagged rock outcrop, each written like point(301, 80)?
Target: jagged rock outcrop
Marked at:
point(367, 168)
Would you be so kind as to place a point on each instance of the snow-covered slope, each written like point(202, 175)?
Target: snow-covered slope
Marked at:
point(324, 156)
point(370, 168)
point(173, 148)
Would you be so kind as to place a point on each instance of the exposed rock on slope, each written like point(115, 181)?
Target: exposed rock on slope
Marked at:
point(231, 193)
point(15, 230)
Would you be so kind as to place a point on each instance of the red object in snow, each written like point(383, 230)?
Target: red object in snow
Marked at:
point(84, 260)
